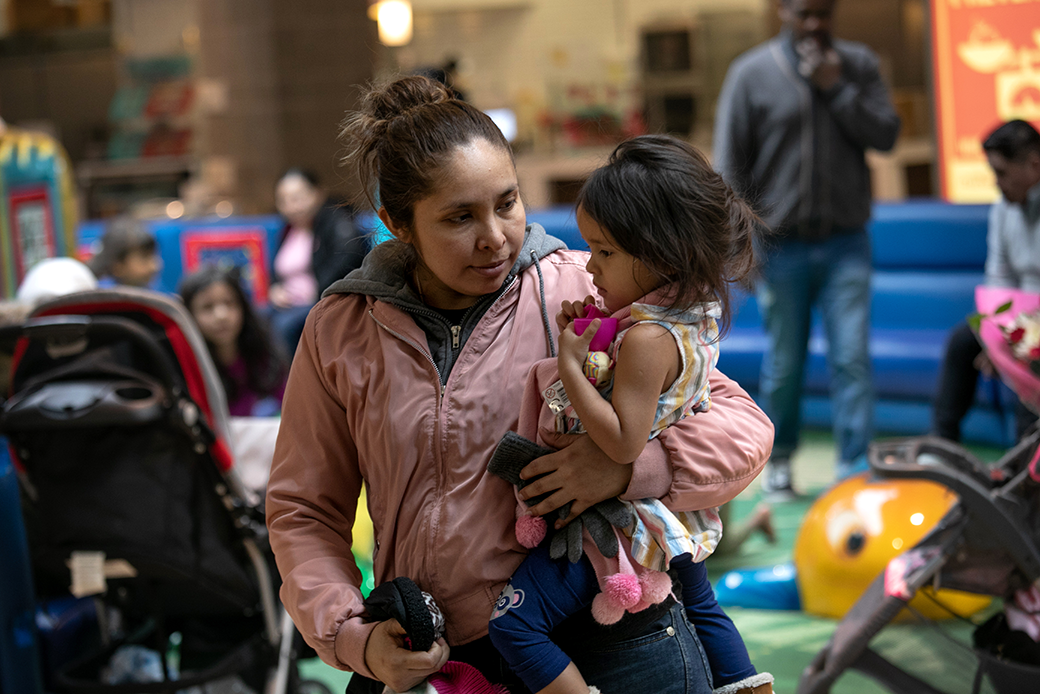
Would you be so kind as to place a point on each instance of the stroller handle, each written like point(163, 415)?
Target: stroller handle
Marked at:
point(1002, 514)
point(69, 328)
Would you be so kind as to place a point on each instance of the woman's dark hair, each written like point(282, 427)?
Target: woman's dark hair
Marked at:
point(402, 135)
point(663, 204)
point(122, 236)
point(306, 174)
point(1014, 140)
point(266, 364)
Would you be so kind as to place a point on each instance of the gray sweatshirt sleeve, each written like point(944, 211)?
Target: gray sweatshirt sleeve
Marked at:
point(999, 272)
point(733, 148)
point(862, 106)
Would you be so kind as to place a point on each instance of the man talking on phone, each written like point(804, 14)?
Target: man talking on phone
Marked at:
point(794, 118)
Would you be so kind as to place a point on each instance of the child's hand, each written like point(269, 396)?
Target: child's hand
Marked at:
point(570, 310)
point(574, 347)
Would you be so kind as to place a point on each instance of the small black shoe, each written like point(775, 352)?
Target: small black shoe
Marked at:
point(402, 600)
point(776, 481)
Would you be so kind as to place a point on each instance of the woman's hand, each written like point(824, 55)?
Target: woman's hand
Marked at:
point(396, 666)
point(580, 473)
point(278, 296)
point(985, 365)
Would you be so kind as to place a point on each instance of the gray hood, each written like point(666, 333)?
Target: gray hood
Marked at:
point(386, 274)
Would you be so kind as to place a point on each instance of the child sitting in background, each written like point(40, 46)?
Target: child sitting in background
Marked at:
point(128, 255)
point(252, 368)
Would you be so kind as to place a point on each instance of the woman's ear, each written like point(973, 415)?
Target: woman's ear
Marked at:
point(401, 234)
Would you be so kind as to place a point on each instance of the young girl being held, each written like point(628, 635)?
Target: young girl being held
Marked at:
point(251, 366)
point(667, 237)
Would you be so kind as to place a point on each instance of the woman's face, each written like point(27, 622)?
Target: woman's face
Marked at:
point(297, 200)
point(219, 315)
point(469, 231)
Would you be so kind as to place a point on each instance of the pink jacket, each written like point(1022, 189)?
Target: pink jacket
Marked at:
point(364, 404)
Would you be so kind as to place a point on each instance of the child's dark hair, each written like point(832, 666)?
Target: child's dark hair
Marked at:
point(266, 364)
point(662, 203)
point(401, 136)
point(122, 236)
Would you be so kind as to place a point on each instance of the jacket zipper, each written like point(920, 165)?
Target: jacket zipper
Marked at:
point(417, 348)
point(456, 333)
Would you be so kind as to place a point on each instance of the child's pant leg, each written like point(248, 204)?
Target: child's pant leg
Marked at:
point(540, 595)
point(722, 643)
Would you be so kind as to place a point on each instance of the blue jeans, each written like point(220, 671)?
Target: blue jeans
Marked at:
point(544, 592)
point(835, 276)
point(667, 659)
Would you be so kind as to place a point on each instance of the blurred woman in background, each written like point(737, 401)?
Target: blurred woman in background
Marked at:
point(319, 245)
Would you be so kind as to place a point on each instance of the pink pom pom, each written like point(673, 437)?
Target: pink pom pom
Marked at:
point(657, 586)
point(530, 530)
point(605, 611)
point(623, 589)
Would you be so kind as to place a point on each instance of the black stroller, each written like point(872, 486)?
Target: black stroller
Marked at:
point(118, 426)
point(987, 544)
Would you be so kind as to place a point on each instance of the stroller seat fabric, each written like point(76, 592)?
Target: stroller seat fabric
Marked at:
point(118, 428)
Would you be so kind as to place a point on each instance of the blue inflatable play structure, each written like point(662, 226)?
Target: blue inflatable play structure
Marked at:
point(185, 244)
point(928, 257)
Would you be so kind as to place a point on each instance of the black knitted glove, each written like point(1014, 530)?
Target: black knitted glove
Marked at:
point(415, 610)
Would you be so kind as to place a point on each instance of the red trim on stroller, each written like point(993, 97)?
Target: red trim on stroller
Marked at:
point(182, 350)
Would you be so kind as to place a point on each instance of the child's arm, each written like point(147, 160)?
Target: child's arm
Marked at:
point(648, 361)
point(570, 681)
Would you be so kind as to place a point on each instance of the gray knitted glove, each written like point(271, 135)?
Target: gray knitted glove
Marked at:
point(598, 520)
point(512, 454)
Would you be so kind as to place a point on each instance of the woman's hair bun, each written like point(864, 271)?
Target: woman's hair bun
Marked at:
point(403, 95)
point(402, 134)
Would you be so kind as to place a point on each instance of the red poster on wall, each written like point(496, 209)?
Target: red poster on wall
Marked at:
point(986, 58)
point(244, 248)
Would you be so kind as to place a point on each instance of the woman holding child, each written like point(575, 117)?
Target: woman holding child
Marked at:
point(408, 375)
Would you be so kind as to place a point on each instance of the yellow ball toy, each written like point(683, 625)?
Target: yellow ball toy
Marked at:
point(852, 531)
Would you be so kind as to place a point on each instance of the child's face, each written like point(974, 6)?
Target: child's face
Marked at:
point(137, 269)
point(620, 278)
point(219, 314)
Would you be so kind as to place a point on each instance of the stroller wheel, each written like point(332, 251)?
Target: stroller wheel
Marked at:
point(312, 687)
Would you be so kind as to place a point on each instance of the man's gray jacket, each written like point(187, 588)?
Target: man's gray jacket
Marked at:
point(795, 152)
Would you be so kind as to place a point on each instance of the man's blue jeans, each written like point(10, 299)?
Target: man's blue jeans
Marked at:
point(833, 275)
